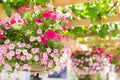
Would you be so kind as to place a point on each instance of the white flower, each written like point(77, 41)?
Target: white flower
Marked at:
point(62, 60)
point(4, 0)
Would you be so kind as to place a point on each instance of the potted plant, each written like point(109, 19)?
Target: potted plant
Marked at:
point(33, 38)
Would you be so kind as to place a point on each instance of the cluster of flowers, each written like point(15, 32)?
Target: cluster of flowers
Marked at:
point(89, 62)
point(33, 38)
point(22, 55)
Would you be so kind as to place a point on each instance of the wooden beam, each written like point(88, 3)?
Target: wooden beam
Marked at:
point(57, 3)
point(87, 22)
point(102, 41)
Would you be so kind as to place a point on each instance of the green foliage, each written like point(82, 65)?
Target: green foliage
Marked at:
point(42, 2)
point(94, 10)
point(17, 3)
point(102, 31)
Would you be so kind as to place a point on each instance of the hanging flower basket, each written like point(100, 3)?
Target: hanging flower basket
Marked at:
point(33, 38)
point(89, 62)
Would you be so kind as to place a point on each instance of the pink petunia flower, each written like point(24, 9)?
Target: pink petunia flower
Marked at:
point(11, 53)
point(25, 66)
point(39, 31)
point(48, 50)
point(3, 21)
point(35, 50)
point(18, 51)
point(43, 40)
point(58, 37)
point(44, 62)
point(1, 56)
point(36, 58)
point(49, 5)
point(22, 58)
point(1, 32)
point(18, 56)
point(110, 58)
point(28, 46)
point(20, 45)
point(50, 34)
point(55, 50)
point(50, 63)
point(7, 41)
point(100, 50)
point(25, 52)
point(7, 26)
point(54, 15)
point(9, 57)
point(46, 15)
point(23, 8)
point(32, 39)
point(53, 55)
point(29, 56)
point(12, 21)
point(1, 36)
point(7, 67)
point(37, 7)
point(17, 65)
point(37, 20)
point(20, 21)
point(64, 28)
point(11, 46)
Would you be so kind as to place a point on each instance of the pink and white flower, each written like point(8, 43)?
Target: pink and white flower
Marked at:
point(39, 31)
point(36, 58)
point(11, 46)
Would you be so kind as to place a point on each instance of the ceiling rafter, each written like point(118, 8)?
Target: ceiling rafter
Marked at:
point(87, 22)
point(57, 3)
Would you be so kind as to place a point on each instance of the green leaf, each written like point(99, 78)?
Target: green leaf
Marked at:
point(42, 2)
point(8, 10)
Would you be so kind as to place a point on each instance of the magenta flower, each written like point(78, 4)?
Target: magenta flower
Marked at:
point(12, 21)
point(47, 14)
point(54, 16)
point(117, 57)
point(99, 50)
point(58, 37)
point(92, 53)
point(50, 34)
point(110, 58)
point(64, 28)
point(23, 8)
point(1, 36)
point(37, 20)
point(43, 40)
